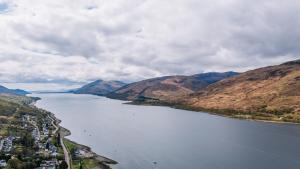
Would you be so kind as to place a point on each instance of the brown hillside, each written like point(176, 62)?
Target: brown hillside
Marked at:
point(269, 90)
point(168, 88)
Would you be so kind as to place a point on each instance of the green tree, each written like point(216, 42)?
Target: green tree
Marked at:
point(27, 140)
point(63, 165)
point(14, 163)
point(80, 164)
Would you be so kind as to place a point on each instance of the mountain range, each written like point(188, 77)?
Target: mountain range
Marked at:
point(168, 87)
point(99, 87)
point(271, 93)
point(268, 93)
point(4, 90)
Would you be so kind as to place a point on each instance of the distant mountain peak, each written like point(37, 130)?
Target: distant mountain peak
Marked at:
point(99, 87)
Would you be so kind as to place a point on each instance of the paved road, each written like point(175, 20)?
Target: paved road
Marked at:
point(1, 144)
point(52, 122)
point(66, 153)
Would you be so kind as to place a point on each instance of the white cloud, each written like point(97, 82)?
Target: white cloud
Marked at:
point(82, 40)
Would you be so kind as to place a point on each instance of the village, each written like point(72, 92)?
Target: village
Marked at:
point(35, 142)
point(38, 136)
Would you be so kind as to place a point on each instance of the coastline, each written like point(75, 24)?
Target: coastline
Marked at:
point(216, 119)
point(107, 161)
point(245, 116)
point(102, 162)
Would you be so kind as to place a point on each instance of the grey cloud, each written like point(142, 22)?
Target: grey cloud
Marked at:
point(269, 29)
point(135, 39)
point(74, 42)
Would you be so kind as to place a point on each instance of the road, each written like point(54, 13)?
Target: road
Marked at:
point(1, 144)
point(52, 122)
point(66, 153)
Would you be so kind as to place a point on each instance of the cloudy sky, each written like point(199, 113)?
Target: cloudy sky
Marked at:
point(82, 40)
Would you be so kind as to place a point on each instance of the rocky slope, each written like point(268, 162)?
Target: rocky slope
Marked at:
point(99, 87)
point(167, 88)
point(271, 93)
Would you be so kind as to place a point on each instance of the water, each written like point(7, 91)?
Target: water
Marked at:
point(138, 136)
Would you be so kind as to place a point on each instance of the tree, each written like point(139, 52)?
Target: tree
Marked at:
point(58, 138)
point(47, 146)
point(63, 165)
point(73, 152)
point(27, 140)
point(80, 164)
point(29, 165)
point(14, 163)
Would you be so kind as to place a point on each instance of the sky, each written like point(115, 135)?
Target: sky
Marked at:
point(77, 41)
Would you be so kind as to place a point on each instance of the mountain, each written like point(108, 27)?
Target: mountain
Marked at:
point(99, 87)
point(11, 103)
point(269, 93)
point(167, 88)
point(4, 90)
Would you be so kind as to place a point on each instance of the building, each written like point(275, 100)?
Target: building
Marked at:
point(48, 165)
point(3, 163)
point(7, 144)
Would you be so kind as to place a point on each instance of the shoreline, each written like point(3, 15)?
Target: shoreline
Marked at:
point(65, 132)
point(237, 116)
point(211, 112)
point(103, 162)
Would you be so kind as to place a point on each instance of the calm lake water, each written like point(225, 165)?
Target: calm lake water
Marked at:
point(138, 136)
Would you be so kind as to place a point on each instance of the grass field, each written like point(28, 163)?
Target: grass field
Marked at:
point(87, 163)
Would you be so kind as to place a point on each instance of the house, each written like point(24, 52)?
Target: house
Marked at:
point(48, 165)
point(7, 144)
